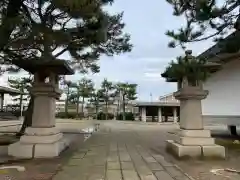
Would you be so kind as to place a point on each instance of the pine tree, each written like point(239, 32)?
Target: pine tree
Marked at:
point(22, 84)
point(68, 85)
point(107, 93)
point(207, 19)
point(73, 98)
point(194, 70)
point(117, 98)
point(95, 99)
point(9, 10)
point(127, 92)
point(47, 29)
point(84, 89)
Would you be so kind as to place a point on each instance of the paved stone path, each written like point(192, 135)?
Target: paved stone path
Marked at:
point(117, 154)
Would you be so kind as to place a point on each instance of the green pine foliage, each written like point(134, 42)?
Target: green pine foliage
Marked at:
point(84, 89)
point(107, 94)
point(127, 92)
point(189, 67)
point(80, 92)
point(73, 97)
point(67, 88)
point(45, 30)
point(95, 99)
point(9, 10)
point(206, 19)
point(22, 84)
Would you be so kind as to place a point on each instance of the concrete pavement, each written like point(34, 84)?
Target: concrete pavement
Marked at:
point(117, 152)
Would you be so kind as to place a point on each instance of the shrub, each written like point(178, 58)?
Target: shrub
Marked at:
point(18, 113)
point(80, 115)
point(102, 116)
point(129, 116)
point(69, 115)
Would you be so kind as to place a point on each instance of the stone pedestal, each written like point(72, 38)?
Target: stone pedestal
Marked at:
point(42, 140)
point(192, 140)
point(38, 143)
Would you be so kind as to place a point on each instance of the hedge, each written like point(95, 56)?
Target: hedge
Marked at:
point(102, 116)
point(129, 116)
point(69, 115)
point(18, 113)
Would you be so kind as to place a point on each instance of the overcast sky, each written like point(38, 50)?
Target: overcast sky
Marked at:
point(147, 22)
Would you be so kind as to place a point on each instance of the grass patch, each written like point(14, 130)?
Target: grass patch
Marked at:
point(229, 143)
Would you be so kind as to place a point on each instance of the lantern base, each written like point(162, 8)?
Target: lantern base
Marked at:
point(39, 145)
point(195, 143)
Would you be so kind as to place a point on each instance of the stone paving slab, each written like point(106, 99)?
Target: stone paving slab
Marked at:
point(174, 172)
point(155, 166)
point(113, 165)
point(114, 175)
point(163, 175)
point(112, 155)
point(130, 175)
point(127, 166)
point(148, 177)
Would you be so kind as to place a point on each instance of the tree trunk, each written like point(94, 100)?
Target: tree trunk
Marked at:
point(106, 110)
point(118, 107)
point(66, 102)
point(20, 104)
point(83, 99)
point(78, 104)
point(77, 108)
point(123, 103)
point(96, 109)
point(28, 117)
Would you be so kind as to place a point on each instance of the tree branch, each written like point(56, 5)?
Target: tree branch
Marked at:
point(61, 52)
point(65, 23)
point(39, 9)
point(28, 14)
point(7, 27)
point(207, 37)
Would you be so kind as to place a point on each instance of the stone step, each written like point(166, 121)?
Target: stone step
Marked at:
point(195, 133)
point(195, 141)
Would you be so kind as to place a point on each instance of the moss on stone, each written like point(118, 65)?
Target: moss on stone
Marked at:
point(229, 144)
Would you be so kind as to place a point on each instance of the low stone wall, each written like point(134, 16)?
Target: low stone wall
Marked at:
point(221, 120)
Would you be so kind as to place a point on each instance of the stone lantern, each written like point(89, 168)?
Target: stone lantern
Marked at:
point(192, 139)
point(42, 139)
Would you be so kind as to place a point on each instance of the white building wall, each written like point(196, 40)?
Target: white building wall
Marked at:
point(224, 92)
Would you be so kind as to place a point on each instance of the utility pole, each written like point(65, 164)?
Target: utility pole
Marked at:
point(151, 97)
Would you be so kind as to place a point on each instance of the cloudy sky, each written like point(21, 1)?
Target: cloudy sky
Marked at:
point(146, 21)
